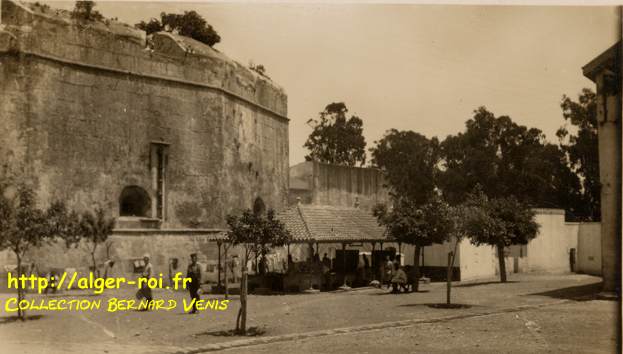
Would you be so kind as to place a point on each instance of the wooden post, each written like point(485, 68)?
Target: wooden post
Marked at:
point(243, 302)
point(288, 258)
point(372, 264)
point(218, 243)
point(226, 280)
point(449, 277)
point(344, 261)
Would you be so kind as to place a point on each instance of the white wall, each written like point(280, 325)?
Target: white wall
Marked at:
point(477, 262)
point(436, 255)
point(589, 248)
point(549, 251)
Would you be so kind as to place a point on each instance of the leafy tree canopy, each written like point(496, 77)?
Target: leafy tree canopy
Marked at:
point(498, 221)
point(83, 10)
point(22, 223)
point(189, 24)
point(506, 159)
point(257, 231)
point(582, 150)
point(96, 227)
point(336, 139)
point(421, 225)
point(409, 161)
point(418, 225)
point(64, 224)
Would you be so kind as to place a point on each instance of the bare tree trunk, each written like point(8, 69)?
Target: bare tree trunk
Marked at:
point(95, 272)
point(243, 303)
point(450, 275)
point(20, 291)
point(226, 280)
point(416, 269)
point(502, 261)
point(218, 270)
point(107, 264)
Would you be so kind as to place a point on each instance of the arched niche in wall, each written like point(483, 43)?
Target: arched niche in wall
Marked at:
point(134, 201)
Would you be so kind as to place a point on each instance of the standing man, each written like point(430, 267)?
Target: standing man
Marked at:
point(194, 273)
point(145, 290)
point(326, 271)
point(389, 271)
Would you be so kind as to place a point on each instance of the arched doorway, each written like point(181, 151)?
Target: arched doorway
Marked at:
point(134, 201)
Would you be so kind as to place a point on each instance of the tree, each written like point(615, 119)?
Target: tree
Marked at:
point(409, 162)
point(64, 224)
point(458, 233)
point(259, 68)
point(257, 231)
point(506, 159)
point(582, 150)
point(226, 247)
point(190, 24)
point(83, 11)
point(22, 226)
point(418, 225)
point(336, 139)
point(499, 222)
point(95, 229)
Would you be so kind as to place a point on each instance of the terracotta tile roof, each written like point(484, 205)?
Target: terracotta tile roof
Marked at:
point(325, 223)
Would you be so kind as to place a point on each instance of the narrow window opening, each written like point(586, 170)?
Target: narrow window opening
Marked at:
point(159, 161)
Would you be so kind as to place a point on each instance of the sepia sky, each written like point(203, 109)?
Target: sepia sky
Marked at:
point(418, 67)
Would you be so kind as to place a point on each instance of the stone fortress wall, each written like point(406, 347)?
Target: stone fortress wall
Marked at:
point(82, 106)
point(163, 133)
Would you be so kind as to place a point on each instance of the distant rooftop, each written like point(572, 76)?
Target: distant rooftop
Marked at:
point(323, 223)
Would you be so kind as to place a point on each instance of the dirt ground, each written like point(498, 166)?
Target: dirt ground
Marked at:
point(569, 328)
point(568, 319)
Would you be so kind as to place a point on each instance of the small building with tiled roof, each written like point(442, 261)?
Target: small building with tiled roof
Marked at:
point(332, 224)
point(334, 229)
point(350, 237)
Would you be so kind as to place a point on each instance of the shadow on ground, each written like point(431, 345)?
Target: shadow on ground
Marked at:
point(391, 293)
point(251, 332)
point(468, 285)
point(578, 293)
point(440, 305)
point(4, 320)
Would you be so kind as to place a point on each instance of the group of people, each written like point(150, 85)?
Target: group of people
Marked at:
point(193, 272)
point(394, 275)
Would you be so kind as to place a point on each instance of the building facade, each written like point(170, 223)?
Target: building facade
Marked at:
point(327, 184)
point(605, 71)
point(164, 133)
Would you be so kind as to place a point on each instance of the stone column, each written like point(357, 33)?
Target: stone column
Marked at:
point(609, 132)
